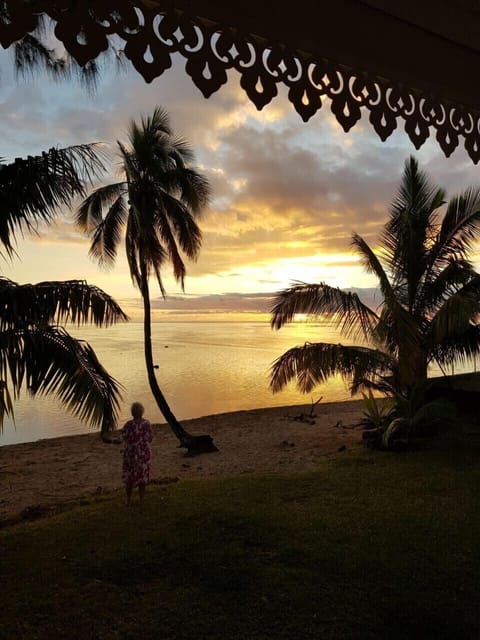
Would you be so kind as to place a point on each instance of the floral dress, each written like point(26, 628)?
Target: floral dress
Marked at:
point(137, 455)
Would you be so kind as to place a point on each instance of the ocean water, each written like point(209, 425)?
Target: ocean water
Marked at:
point(203, 368)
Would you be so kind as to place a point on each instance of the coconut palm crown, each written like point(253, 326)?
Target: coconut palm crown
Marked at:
point(430, 298)
point(36, 352)
point(155, 205)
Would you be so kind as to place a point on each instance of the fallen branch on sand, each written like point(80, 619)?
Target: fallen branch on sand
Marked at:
point(308, 418)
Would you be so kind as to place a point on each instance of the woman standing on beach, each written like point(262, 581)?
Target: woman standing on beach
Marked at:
point(137, 455)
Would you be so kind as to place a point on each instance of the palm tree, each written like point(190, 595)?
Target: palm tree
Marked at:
point(35, 350)
point(157, 202)
point(430, 298)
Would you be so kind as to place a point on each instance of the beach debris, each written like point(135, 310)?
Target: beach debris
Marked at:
point(342, 448)
point(286, 443)
point(308, 418)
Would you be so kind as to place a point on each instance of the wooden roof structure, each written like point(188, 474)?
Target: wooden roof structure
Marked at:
point(406, 62)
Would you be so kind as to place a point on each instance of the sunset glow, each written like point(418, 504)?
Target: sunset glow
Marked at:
point(286, 196)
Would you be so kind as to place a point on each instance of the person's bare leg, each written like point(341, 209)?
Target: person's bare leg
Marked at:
point(128, 491)
point(141, 492)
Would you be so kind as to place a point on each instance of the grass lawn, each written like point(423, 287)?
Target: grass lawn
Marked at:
point(372, 545)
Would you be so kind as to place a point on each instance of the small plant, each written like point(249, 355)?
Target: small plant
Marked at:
point(421, 415)
point(403, 417)
point(377, 411)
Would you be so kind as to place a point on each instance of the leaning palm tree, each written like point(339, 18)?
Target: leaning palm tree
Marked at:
point(36, 352)
point(157, 202)
point(430, 298)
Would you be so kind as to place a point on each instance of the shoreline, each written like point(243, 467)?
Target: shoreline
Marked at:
point(37, 477)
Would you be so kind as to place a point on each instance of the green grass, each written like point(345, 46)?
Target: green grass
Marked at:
point(372, 545)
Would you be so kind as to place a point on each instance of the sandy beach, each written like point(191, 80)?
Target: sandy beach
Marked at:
point(38, 476)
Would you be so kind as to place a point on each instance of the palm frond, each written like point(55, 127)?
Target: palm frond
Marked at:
point(372, 264)
point(345, 308)
point(108, 234)
point(459, 228)
point(72, 301)
point(129, 166)
point(158, 122)
point(451, 279)
point(6, 404)
point(195, 190)
point(396, 323)
point(408, 232)
point(90, 213)
point(33, 188)
point(51, 362)
point(132, 252)
point(189, 186)
point(151, 140)
point(312, 364)
point(453, 318)
point(169, 248)
point(31, 55)
point(461, 349)
point(180, 219)
point(182, 152)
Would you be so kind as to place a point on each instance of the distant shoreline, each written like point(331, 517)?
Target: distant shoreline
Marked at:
point(36, 477)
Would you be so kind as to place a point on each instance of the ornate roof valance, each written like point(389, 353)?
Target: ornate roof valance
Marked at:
point(360, 55)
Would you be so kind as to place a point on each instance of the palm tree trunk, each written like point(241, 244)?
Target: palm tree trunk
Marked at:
point(193, 444)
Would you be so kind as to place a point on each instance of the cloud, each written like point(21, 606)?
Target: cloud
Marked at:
point(287, 195)
point(232, 302)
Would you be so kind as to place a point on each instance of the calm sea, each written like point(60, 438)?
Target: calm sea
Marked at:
point(204, 368)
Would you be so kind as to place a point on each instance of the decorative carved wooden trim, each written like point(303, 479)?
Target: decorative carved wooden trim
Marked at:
point(153, 31)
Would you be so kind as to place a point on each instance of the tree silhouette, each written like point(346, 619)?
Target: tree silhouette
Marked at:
point(36, 352)
point(430, 298)
point(157, 204)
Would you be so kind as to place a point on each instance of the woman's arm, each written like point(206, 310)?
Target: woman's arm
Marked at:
point(149, 431)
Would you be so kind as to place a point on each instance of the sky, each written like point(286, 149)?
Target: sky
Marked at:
point(286, 195)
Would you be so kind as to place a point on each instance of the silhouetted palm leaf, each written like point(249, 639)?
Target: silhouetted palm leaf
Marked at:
point(450, 280)
point(33, 188)
point(458, 349)
point(33, 349)
point(46, 357)
point(50, 361)
point(454, 317)
point(344, 308)
point(72, 301)
point(312, 364)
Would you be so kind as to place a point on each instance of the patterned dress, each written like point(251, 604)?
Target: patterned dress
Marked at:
point(137, 455)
